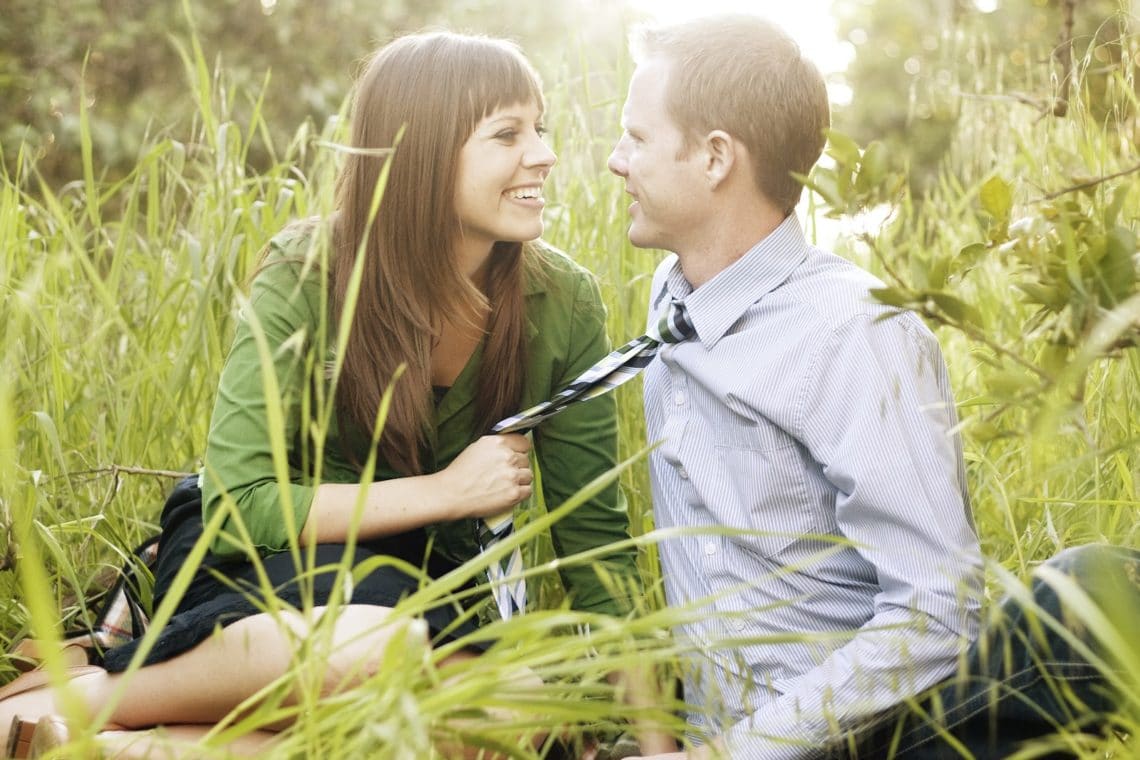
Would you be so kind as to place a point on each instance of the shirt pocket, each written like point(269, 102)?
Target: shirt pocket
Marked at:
point(765, 473)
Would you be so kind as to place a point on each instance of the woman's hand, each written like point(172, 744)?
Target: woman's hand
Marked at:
point(489, 476)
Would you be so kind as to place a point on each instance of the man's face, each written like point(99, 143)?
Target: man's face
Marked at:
point(664, 180)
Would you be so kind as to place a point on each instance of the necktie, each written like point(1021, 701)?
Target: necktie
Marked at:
point(611, 371)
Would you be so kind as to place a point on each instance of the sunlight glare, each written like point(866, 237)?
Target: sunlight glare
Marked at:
point(810, 22)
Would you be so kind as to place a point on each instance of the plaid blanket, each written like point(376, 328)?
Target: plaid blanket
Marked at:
point(122, 616)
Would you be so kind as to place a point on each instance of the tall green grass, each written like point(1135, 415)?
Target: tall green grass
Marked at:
point(118, 305)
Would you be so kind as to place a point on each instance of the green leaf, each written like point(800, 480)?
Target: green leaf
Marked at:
point(955, 308)
point(893, 297)
point(985, 431)
point(972, 252)
point(823, 182)
point(873, 168)
point(842, 148)
point(938, 272)
point(1008, 382)
point(997, 198)
point(1116, 269)
point(1040, 293)
point(1112, 211)
point(1054, 358)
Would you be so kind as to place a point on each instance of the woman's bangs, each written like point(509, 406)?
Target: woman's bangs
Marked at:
point(505, 80)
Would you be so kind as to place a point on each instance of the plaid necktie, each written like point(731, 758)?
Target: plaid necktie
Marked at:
point(613, 370)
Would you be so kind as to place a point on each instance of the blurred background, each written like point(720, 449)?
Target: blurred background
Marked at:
point(897, 68)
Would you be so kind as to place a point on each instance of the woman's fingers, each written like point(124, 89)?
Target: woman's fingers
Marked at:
point(516, 441)
point(492, 474)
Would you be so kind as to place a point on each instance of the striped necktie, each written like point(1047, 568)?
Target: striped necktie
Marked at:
point(614, 369)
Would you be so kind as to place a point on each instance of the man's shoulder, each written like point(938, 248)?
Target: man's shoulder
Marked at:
point(832, 298)
point(834, 289)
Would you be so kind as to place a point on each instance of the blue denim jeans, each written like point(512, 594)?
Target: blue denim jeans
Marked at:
point(1024, 680)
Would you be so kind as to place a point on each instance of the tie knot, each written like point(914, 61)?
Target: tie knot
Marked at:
point(675, 325)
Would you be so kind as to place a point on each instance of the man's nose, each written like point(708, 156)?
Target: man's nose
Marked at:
point(617, 161)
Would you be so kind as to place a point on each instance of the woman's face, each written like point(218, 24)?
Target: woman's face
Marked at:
point(498, 188)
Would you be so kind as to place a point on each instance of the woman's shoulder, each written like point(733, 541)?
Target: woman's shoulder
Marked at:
point(288, 272)
point(296, 254)
point(294, 242)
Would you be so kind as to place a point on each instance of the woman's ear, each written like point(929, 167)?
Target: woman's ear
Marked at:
point(722, 152)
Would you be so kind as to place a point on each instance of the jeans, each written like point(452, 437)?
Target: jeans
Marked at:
point(1023, 680)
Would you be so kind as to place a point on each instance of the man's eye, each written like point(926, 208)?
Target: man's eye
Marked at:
point(540, 129)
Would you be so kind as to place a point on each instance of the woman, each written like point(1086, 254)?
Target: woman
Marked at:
point(455, 312)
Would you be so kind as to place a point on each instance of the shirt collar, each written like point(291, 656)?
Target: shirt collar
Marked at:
point(718, 304)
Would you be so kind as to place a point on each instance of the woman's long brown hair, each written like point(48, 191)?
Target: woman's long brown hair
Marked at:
point(436, 87)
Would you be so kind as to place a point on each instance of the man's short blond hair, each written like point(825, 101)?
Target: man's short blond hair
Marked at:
point(746, 76)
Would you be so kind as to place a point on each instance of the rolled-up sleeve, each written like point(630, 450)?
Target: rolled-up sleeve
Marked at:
point(239, 461)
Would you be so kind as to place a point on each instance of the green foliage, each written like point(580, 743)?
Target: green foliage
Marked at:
point(916, 62)
point(291, 61)
point(854, 179)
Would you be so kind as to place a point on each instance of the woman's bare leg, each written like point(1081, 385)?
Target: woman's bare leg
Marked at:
point(164, 743)
point(206, 683)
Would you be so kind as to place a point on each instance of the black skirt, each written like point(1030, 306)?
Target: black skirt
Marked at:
point(225, 591)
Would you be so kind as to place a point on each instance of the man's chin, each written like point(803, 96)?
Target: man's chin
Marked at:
point(639, 239)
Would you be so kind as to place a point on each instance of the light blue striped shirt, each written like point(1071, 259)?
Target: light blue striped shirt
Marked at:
point(805, 412)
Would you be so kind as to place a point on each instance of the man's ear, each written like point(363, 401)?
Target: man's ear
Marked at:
point(722, 152)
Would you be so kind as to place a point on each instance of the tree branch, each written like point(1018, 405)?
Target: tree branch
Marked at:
point(120, 469)
point(1087, 184)
point(1064, 55)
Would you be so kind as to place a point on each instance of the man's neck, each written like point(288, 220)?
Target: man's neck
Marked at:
point(730, 235)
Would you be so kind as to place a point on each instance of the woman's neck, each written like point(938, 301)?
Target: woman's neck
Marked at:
point(474, 258)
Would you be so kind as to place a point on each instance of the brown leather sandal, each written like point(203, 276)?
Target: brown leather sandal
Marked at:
point(19, 738)
point(21, 733)
point(29, 654)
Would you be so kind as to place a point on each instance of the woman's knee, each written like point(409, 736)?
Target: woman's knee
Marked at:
point(1105, 572)
point(362, 638)
point(1083, 559)
point(1106, 575)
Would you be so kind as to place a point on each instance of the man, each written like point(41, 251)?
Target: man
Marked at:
point(814, 420)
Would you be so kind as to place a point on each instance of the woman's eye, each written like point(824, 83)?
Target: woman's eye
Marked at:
point(506, 135)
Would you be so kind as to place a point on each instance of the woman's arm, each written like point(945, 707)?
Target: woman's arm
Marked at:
point(490, 475)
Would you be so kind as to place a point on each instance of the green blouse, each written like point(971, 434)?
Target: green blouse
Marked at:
point(565, 334)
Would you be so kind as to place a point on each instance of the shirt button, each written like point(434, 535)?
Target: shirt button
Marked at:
point(738, 624)
point(682, 473)
point(710, 548)
point(679, 398)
